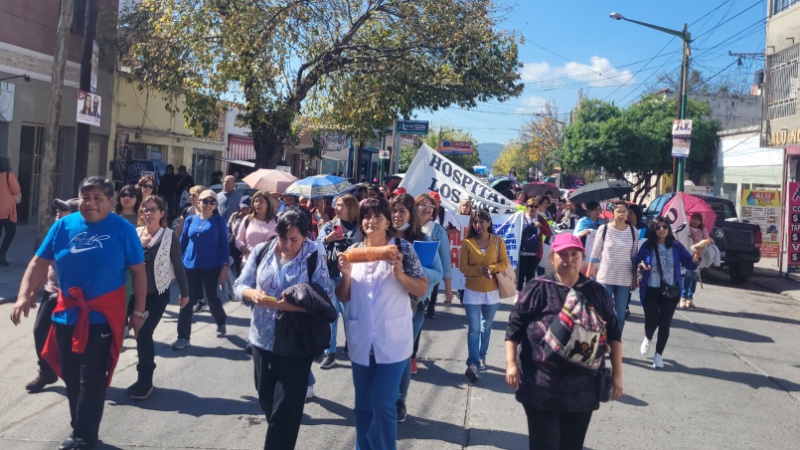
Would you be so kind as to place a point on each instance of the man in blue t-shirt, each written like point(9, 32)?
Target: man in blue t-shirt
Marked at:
point(91, 250)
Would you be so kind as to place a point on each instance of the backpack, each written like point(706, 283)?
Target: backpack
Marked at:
point(530, 237)
point(577, 337)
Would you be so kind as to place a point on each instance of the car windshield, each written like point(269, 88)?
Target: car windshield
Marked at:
point(723, 208)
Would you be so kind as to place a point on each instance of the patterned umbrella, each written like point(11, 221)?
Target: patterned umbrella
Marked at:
point(269, 180)
point(320, 186)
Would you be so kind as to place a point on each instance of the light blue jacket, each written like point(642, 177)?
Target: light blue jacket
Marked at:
point(439, 234)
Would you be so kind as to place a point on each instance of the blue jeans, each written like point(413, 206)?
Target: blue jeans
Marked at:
point(479, 322)
point(341, 310)
point(689, 284)
point(620, 295)
point(376, 404)
point(416, 321)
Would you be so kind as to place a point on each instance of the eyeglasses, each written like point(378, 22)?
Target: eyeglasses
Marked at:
point(147, 186)
point(150, 210)
point(426, 206)
point(208, 201)
point(127, 195)
point(662, 227)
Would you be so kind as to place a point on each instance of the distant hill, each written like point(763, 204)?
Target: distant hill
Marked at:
point(489, 152)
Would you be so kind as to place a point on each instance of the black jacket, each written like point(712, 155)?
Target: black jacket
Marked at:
point(308, 333)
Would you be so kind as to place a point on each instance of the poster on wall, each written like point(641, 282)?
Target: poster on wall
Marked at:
point(122, 156)
point(763, 208)
point(89, 107)
point(793, 227)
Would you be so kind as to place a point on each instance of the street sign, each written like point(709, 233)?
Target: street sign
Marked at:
point(384, 154)
point(412, 127)
point(455, 147)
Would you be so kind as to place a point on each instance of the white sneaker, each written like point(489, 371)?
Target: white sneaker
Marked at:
point(658, 363)
point(309, 393)
point(645, 346)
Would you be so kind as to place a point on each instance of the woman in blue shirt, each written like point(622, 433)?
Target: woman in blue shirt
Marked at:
point(204, 241)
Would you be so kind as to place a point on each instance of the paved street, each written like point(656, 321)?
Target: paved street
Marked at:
point(731, 381)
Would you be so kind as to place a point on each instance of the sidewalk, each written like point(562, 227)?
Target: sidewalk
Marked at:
point(19, 255)
point(765, 274)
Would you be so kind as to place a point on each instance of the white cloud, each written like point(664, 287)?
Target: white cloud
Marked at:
point(598, 73)
point(531, 105)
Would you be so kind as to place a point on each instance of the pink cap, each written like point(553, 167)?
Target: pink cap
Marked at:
point(564, 241)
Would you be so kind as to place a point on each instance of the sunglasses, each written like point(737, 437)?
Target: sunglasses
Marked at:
point(127, 195)
point(147, 186)
point(533, 206)
point(208, 201)
point(662, 227)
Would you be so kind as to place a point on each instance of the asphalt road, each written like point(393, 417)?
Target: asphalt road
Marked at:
point(731, 381)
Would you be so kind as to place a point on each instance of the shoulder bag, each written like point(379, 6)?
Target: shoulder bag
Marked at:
point(507, 279)
point(667, 290)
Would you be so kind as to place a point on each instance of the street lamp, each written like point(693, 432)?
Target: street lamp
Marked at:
point(686, 37)
point(26, 77)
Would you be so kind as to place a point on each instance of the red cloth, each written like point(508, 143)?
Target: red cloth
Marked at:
point(111, 305)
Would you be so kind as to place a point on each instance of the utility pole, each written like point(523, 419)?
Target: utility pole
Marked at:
point(83, 134)
point(48, 172)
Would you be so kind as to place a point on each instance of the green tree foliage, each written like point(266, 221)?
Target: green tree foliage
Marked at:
point(514, 154)
point(351, 65)
point(637, 139)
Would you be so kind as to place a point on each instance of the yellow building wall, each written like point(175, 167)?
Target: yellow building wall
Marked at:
point(144, 113)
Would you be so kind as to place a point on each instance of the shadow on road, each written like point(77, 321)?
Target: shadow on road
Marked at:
point(166, 399)
point(746, 315)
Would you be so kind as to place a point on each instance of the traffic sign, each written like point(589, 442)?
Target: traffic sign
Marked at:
point(412, 127)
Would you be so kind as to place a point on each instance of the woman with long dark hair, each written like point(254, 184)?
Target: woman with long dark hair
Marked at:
point(379, 326)
point(660, 260)
point(147, 186)
point(407, 225)
point(259, 226)
point(483, 256)
point(128, 201)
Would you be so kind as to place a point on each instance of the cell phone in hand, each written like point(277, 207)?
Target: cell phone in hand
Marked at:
point(338, 230)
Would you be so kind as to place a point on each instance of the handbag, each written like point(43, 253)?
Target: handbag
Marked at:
point(507, 279)
point(603, 384)
point(667, 290)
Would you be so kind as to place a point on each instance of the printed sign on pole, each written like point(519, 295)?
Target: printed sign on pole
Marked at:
point(681, 138)
point(89, 107)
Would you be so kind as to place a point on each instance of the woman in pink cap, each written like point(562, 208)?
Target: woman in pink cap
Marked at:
point(556, 345)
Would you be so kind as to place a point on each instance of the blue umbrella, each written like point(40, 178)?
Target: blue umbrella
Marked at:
point(320, 186)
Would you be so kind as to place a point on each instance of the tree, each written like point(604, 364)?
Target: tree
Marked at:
point(543, 137)
point(514, 154)
point(351, 65)
point(637, 139)
point(696, 83)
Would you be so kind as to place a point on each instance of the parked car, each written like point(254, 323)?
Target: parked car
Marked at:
point(739, 243)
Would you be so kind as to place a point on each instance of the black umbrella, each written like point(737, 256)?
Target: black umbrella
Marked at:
point(601, 190)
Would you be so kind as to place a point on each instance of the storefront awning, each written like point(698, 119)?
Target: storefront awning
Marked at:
point(240, 148)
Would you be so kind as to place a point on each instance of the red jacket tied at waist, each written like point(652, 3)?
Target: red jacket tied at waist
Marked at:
point(111, 305)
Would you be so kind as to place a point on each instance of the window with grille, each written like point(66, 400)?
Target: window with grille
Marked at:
point(782, 82)
point(780, 5)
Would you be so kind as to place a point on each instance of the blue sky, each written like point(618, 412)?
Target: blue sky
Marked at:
point(574, 45)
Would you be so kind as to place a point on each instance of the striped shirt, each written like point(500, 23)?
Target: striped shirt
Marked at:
point(616, 259)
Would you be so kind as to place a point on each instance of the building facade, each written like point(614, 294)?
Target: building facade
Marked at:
point(28, 31)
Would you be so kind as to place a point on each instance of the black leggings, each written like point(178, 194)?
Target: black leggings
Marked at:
point(658, 312)
point(554, 430)
point(527, 270)
point(9, 231)
point(200, 280)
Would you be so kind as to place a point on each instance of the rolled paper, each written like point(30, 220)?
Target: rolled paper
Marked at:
point(370, 254)
point(700, 245)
